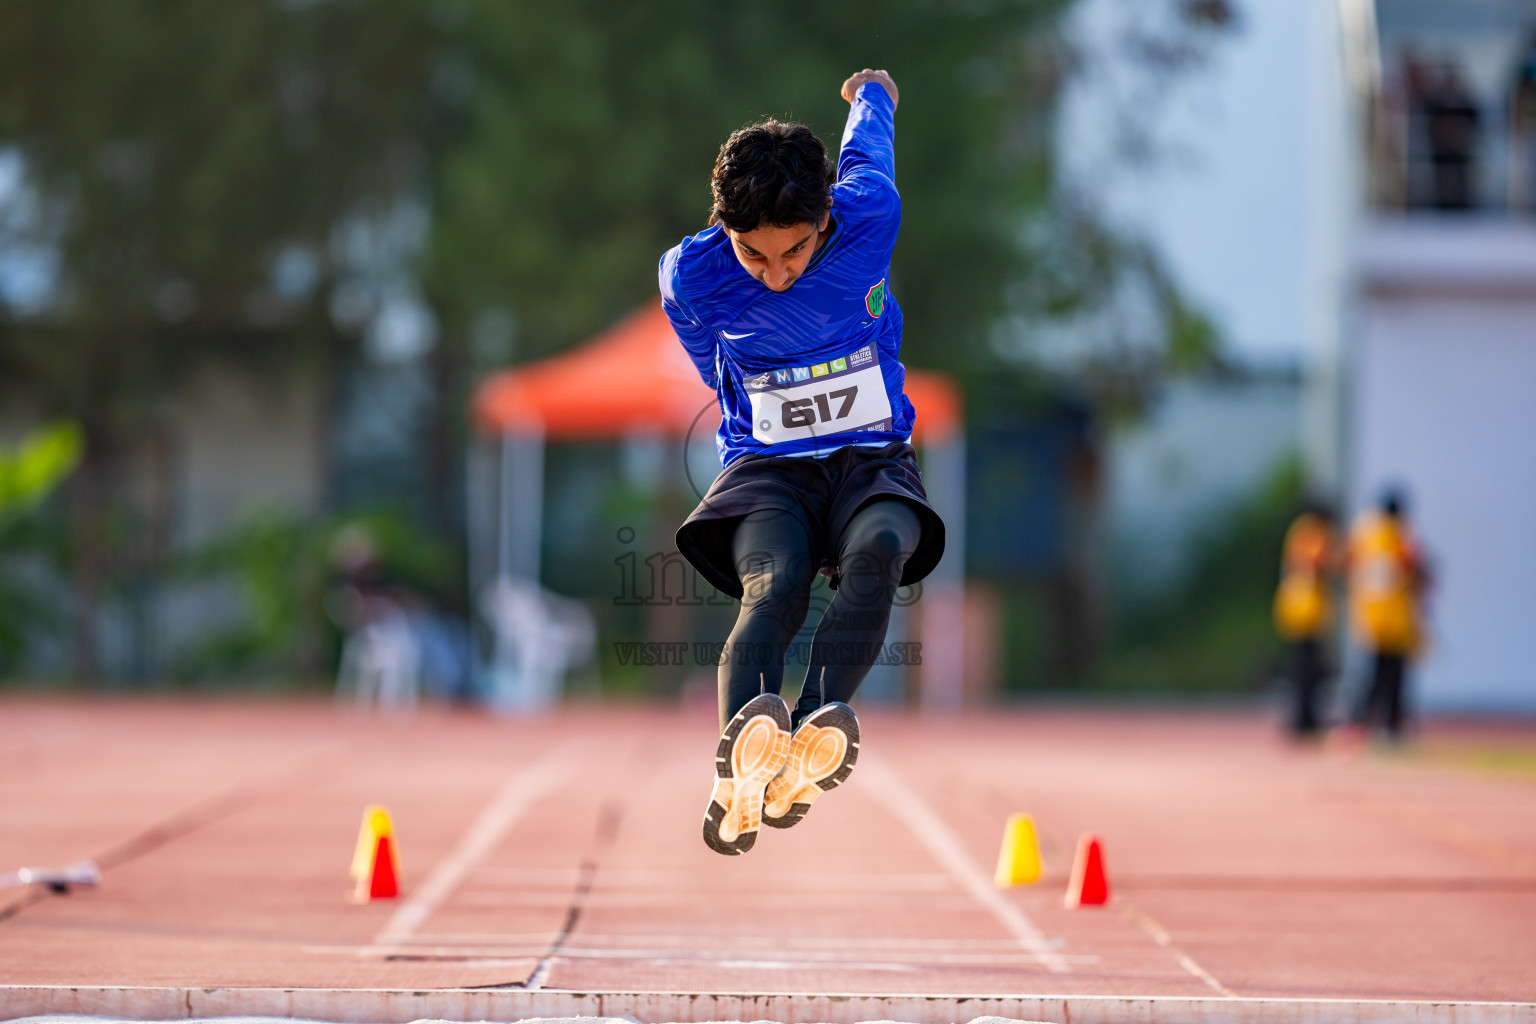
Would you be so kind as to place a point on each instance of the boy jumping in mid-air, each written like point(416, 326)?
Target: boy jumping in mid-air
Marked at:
point(785, 308)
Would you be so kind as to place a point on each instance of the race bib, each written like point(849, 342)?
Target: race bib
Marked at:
point(804, 402)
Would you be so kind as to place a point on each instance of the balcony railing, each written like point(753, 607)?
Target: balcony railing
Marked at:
point(1452, 122)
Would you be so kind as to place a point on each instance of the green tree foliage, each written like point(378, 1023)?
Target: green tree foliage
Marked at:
point(185, 165)
point(193, 160)
point(30, 472)
point(585, 134)
point(289, 583)
point(193, 169)
point(32, 469)
point(1213, 632)
point(591, 129)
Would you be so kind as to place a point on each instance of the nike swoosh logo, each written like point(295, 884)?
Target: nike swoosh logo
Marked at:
point(737, 337)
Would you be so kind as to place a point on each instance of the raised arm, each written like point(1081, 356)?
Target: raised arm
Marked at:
point(869, 139)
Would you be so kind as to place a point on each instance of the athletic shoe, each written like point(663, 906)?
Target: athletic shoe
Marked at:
point(821, 757)
point(752, 750)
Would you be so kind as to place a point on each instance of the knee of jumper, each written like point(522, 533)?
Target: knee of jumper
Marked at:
point(774, 592)
point(880, 553)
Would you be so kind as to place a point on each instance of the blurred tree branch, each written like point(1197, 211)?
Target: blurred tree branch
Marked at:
point(30, 472)
point(586, 132)
point(191, 174)
point(192, 161)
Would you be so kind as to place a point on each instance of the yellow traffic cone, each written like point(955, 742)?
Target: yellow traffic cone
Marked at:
point(1018, 862)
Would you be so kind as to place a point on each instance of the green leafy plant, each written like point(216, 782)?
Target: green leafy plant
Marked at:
point(283, 567)
point(30, 472)
point(1213, 635)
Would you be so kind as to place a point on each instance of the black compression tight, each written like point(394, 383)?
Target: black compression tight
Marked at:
point(773, 558)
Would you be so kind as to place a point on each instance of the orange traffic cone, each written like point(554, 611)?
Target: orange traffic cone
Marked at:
point(1089, 887)
point(375, 863)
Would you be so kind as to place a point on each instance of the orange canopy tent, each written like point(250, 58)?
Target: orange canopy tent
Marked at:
point(636, 378)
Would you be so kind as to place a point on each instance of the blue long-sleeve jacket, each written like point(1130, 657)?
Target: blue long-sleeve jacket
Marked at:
point(816, 367)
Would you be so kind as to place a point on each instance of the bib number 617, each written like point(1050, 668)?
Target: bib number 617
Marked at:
point(802, 412)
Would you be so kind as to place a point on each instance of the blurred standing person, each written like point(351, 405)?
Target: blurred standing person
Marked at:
point(1522, 131)
point(380, 658)
point(1392, 134)
point(1303, 610)
point(1417, 83)
point(1451, 117)
point(1387, 580)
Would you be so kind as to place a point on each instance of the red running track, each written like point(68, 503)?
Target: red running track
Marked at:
point(564, 853)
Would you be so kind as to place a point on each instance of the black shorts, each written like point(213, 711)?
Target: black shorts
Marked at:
point(823, 493)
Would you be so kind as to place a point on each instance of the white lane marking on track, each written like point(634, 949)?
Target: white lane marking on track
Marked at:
point(911, 810)
point(683, 954)
point(519, 794)
point(1158, 934)
point(481, 899)
point(640, 880)
point(717, 942)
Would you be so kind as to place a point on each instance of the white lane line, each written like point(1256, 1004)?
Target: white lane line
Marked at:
point(639, 879)
point(481, 899)
point(519, 794)
point(911, 810)
point(692, 940)
point(1158, 934)
point(711, 955)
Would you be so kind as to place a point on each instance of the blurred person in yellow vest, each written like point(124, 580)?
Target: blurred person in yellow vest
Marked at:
point(1303, 610)
point(1387, 581)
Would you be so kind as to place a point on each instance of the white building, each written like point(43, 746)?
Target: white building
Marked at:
point(1246, 198)
point(1304, 208)
point(1444, 402)
point(1441, 367)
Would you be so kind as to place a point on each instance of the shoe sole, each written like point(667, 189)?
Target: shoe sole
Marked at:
point(821, 757)
point(753, 750)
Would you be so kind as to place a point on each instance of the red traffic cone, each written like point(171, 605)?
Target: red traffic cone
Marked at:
point(1088, 887)
point(375, 861)
point(381, 880)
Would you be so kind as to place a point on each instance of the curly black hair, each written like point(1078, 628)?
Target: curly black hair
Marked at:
point(773, 172)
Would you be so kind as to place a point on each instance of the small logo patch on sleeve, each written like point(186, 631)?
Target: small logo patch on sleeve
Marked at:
point(875, 300)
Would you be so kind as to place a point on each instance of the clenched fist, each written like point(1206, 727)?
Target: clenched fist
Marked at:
point(851, 87)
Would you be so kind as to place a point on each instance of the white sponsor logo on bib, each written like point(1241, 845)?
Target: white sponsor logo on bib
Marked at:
point(803, 402)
